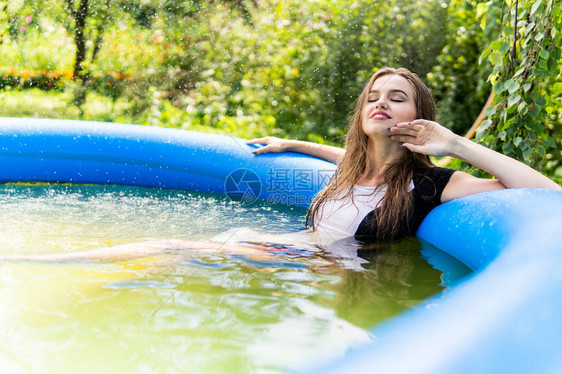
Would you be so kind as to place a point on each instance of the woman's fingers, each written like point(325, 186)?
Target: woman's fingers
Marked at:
point(268, 140)
point(258, 141)
point(403, 125)
point(404, 138)
point(261, 150)
point(271, 144)
point(404, 131)
point(412, 135)
point(410, 126)
point(413, 147)
point(416, 132)
point(424, 136)
point(417, 122)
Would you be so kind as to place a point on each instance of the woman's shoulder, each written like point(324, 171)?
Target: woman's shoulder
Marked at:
point(431, 181)
point(433, 173)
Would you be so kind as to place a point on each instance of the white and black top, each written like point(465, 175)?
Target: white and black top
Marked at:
point(355, 215)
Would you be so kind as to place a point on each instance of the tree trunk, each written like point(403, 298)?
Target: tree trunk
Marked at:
point(99, 37)
point(80, 15)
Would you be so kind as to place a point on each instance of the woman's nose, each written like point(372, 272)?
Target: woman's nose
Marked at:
point(381, 103)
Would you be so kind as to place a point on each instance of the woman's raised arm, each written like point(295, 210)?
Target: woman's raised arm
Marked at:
point(273, 144)
point(431, 138)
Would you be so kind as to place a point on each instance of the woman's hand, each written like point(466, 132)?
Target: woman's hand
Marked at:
point(323, 151)
point(427, 137)
point(272, 144)
point(430, 138)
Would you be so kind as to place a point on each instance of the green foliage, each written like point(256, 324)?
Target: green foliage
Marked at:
point(293, 68)
point(4, 24)
point(525, 120)
point(458, 81)
point(305, 63)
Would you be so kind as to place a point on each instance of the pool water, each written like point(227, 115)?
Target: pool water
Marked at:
point(265, 311)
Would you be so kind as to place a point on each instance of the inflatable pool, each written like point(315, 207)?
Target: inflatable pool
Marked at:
point(106, 153)
point(504, 318)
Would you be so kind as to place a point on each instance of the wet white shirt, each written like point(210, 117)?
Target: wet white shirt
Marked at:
point(343, 216)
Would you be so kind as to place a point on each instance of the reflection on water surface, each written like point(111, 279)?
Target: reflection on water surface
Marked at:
point(287, 305)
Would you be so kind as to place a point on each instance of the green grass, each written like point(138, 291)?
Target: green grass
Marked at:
point(37, 103)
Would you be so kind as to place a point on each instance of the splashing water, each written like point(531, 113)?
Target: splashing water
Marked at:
point(282, 307)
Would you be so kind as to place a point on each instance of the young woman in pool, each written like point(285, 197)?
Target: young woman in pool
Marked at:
point(385, 183)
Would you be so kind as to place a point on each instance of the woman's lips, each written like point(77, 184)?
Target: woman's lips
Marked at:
point(380, 115)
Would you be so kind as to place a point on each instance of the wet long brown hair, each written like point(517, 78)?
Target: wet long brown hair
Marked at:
point(396, 205)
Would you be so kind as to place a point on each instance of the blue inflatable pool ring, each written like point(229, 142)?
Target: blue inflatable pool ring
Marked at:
point(109, 153)
point(505, 318)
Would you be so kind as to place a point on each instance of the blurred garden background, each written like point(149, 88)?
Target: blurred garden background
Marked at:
point(288, 68)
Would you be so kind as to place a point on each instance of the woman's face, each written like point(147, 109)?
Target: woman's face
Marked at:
point(390, 101)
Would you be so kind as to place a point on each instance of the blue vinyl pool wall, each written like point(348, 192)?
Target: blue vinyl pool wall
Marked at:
point(107, 153)
point(504, 318)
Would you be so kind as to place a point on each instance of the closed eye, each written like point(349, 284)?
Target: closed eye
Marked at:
point(393, 100)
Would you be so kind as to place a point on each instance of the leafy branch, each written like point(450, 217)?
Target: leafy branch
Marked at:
point(525, 59)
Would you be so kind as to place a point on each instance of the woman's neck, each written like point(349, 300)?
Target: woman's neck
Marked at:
point(381, 154)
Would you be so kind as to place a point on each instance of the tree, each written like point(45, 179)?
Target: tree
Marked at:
point(458, 82)
point(525, 117)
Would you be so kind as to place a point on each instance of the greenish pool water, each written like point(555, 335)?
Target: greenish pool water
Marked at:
point(265, 311)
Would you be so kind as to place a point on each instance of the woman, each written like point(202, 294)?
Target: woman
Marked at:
point(385, 183)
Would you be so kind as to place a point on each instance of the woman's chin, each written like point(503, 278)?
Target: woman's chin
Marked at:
point(378, 130)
